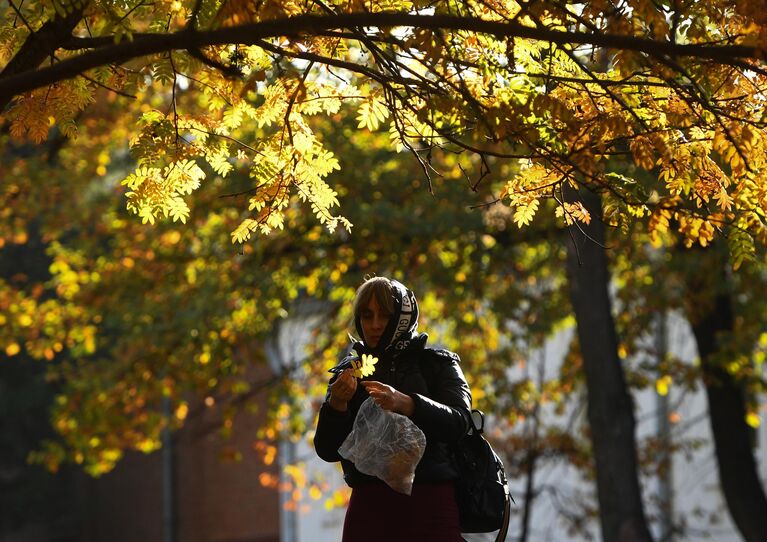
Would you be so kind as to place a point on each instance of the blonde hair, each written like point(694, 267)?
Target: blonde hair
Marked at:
point(378, 287)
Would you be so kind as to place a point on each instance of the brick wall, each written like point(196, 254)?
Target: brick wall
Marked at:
point(215, 500)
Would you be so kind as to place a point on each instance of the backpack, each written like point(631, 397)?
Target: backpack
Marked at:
point(481, 490)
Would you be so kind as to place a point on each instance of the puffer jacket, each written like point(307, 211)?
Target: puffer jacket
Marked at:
point(435, 381)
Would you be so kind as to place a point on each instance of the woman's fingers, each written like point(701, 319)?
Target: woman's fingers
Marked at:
point(389, 398)
point(383, 395)
point(348, 378)
point(345, 386)
point(375, 385)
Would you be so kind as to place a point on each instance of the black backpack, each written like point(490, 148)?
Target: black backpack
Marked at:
point(481, 490)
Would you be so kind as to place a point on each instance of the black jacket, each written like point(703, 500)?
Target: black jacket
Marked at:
point(433, 378)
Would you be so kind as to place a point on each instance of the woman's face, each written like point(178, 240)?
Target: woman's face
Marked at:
point(373, 319)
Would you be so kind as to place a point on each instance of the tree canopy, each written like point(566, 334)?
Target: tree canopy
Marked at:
point(676, 87)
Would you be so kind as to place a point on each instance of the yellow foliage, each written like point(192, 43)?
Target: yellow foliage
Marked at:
point(297, 473)
point(572, 212)
point(371, 113)
point(643, 152)
point(525, 211)
point(666, 150)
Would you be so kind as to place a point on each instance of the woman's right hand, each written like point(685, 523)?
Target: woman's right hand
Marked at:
point(342, 390)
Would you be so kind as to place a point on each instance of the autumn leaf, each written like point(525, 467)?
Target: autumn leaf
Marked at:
point(372, 113)
point(572, 212)
point(364, 366)
point(525, 211)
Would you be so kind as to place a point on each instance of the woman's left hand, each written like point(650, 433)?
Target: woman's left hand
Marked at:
point(389, 398)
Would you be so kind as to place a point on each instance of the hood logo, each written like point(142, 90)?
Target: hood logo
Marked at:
point(404, 325)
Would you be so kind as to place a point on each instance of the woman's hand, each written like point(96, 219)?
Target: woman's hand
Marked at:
point(389, 398)
point(342, 390)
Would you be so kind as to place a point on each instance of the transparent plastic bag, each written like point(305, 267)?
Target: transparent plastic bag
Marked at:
point(386, 445)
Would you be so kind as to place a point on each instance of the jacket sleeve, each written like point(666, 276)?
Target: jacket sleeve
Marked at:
point(444, 416)
point(332, 429)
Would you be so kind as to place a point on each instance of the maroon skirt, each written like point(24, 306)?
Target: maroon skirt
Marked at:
point(377, 513)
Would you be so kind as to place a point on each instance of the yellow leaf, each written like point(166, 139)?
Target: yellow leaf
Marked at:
point(723, 199)
point(181, 411)
point(662, 385)
point(371, 114)
point(148, 445)
point(365, 366)
point(12, 349)
point(753, 420)
point(525, 212)
point(25, 320)
point(622, 351)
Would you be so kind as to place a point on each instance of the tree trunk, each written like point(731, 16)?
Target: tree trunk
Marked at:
point(610, 408)
point(738, 475)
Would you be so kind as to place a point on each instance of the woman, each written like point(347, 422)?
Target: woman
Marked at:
point(424, 384)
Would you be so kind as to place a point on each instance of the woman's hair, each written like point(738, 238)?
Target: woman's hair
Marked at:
point(378, 287)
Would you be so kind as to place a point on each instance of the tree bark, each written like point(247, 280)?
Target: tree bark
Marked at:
point(738, 475)
point(610, 407)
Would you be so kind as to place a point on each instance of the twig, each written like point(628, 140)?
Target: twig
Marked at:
point(21, 16)
point(228, 70)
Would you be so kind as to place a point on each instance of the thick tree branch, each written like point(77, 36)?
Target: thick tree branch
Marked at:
point(41, 45)
point(18, 79)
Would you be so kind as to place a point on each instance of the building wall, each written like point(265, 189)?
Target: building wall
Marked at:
point(125, 504)
point(215, 500)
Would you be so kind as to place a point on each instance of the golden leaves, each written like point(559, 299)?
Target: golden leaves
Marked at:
point(572, 212)
point(643, 152)
point(548, 105)
point(238, 12)
point(533, 183)
point(32, 117)
point(723, 199)
point(288, 170)
point(512, 96)
point(247, 227)
point(525, 210)
point(155, 192)
point(524, 192)
point(695, 229)
point(658, 225)
point(288, 163)
point(729, 150)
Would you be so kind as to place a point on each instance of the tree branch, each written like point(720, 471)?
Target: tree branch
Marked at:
point(16, 81)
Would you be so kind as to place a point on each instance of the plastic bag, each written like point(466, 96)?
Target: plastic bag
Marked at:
point(386, 445)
